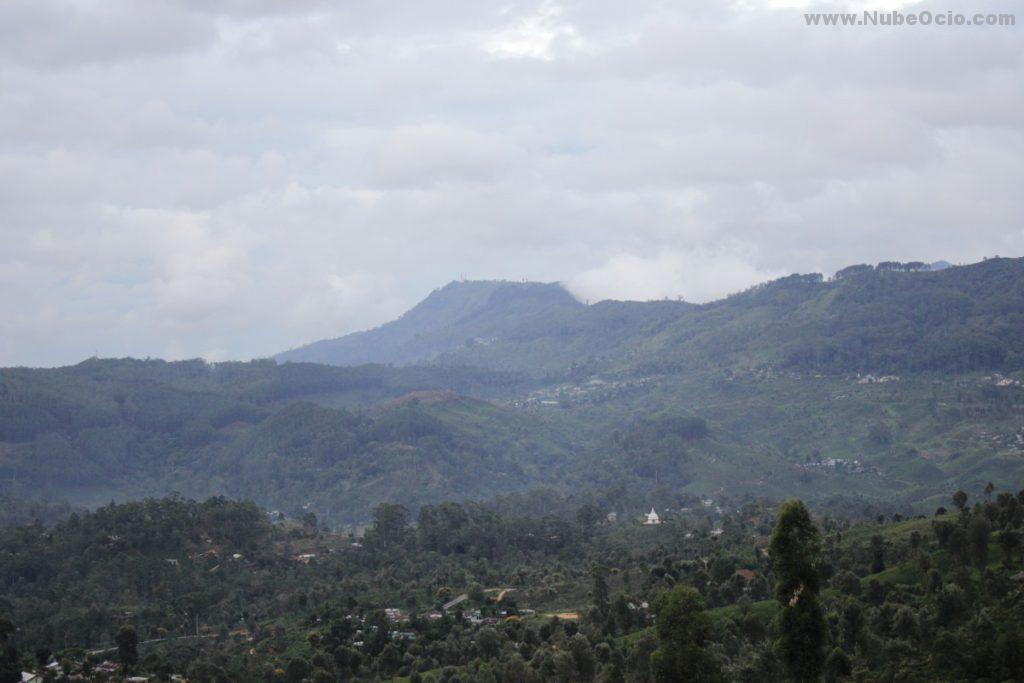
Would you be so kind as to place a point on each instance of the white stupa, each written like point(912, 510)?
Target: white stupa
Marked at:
point(652, 517)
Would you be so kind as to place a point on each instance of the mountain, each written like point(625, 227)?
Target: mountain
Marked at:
point(458, 315)
point(890, 318)
point(888, 383)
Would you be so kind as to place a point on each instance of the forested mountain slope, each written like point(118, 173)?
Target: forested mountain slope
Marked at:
point(889, 318)
point(868, 320)
point(128, 428)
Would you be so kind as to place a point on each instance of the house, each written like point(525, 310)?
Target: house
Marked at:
point(107, 667)
point(652, 518)
point(395, 615)
point(747, 575)
point(29, 677)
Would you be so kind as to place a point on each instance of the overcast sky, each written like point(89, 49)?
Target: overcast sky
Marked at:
point(231, 178)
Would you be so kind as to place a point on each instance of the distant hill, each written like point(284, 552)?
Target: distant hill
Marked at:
point(126, 429)
point(458, 315)
point(890, 318)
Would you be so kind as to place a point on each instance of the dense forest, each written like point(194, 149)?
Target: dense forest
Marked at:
point(723, 589)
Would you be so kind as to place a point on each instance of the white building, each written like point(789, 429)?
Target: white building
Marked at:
point(652, 517)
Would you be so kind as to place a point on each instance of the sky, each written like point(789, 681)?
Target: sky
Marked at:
point(231, 178)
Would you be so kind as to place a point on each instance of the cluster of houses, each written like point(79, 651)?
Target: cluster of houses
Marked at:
point(73, 671)
point(400, 620)
point(837, 465)
point(594, 390)
point(1002, 381)
point(877, 379)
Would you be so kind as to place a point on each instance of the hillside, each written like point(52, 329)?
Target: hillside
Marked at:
point(876, 320)
point(125, 429)
point(884, 319)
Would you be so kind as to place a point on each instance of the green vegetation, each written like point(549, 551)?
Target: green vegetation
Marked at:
point(889, 319)
point(794, 551)
point(215, 591)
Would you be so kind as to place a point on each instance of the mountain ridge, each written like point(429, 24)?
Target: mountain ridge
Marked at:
point(953, 318)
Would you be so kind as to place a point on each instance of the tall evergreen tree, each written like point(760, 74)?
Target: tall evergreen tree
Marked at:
point(127, 647)
point(794, 549)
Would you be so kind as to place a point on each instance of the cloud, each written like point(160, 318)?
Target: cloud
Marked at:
point(538, 35)
point(234, 178)
point(67, 34)
point(697, 276)
point(435, 153)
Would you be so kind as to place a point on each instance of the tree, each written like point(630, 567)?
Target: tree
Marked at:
point(583, 659)
point(1009, 540)
point(960, 501)
point(878, 554)
point(489, 642)
point(127, 646)
point(683, 630)
point(389, 523)
point(10, 662)
point(588, 515)
point(297, 670)
point(794, 549)
point(915, 540)
point(837, 666)
point(977, 535)
point(600, 589)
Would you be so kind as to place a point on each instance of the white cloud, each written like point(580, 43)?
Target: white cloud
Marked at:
point(535, 36)
point(697, 276)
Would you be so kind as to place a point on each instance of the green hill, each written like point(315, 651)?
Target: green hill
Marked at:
point(126, 429)
point(879, 319)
